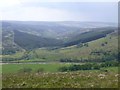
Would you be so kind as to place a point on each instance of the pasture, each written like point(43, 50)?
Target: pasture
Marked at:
point(14, 68)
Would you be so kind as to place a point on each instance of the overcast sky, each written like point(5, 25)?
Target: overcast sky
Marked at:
point(57, 10)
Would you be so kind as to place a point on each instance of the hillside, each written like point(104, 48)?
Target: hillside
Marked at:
point(95, 51)
point(25, 41)
point(93, 34)
point(98, 50)
point(8, 44)
point(29, 41)
point(43, 29)
point(59, 30)
point(19, 36)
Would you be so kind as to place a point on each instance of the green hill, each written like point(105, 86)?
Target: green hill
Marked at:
point(58, 41)
point(24, 35)
point(29, 41)
point(93, 34)
point(102, 49)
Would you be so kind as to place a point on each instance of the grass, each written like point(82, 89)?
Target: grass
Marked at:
point(77, 79)
point(76, 53)
point(16, 55)
point(0, 77)
point(51, 78)
point(84, 52)
point(112, 69)
point(14, 68)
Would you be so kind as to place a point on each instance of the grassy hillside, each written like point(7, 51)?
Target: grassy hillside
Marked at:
point(8, 45)
point(76, 52)
point(97, 45)
point(94, 50)
point(18, 35)
point(93, 34)
point(43, 29)
point(29, 41)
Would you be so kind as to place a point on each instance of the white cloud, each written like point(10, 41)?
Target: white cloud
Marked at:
point(13, 10)
point(69, 0)
point(39, 14)
point(8, 3)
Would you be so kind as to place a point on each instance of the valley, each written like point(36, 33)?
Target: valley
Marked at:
point(94, 49)
point(48, 52)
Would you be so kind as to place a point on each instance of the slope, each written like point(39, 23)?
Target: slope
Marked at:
point(29, 41)
point(102, 49)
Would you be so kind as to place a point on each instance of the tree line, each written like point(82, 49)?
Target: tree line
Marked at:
point(89, 66)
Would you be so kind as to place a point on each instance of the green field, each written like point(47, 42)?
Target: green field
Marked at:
point(14, 68)
point(53, 67)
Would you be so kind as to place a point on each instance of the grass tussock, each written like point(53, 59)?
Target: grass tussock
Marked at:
point(77, 79)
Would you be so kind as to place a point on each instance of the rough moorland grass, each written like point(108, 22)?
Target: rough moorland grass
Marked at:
point(79, 79)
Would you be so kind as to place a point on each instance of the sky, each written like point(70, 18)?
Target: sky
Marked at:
point(59, 10)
